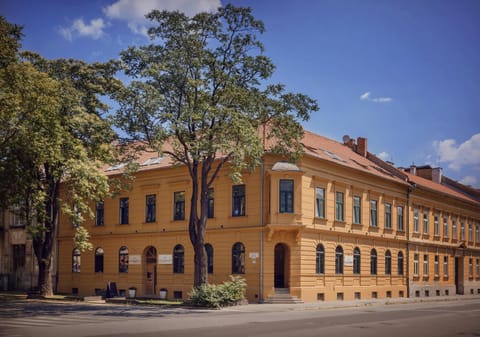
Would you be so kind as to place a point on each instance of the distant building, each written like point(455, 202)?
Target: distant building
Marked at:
point(340, 224)
point(18, 266)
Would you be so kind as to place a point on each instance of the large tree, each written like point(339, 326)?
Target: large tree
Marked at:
point(53, 134)
point(199, 94)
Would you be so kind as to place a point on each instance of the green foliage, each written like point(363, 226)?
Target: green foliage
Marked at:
point(81, 239)
point(53, 135)
point(219, 295)
point(199, 93)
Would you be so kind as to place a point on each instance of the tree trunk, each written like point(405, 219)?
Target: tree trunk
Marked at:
point(45, 284)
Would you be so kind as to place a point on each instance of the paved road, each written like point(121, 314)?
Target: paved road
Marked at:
point(440, 319)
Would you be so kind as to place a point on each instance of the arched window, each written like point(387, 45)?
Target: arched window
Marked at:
point(320, 260)
point(373, 262)
point(123, 260)
point(99, 255)
point(178, 259)
point(388, 263)
point(209, 250)
point(356, 260)
point(339, 260)
point(400, 263)
point(238, 258)
point(76, 260)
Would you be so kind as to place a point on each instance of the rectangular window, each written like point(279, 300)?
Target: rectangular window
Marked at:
point(425, 265)
point(416, 220)
point(286, 196)
point(436, 225)
point(388, 216)
point(445, 226)
point(425, 222)
point(437, 266)
point(454, 228)
point(211, 203)
point(339, 206)
point(445, 266)
point(373, 213)
point(320, 202)
point(179, 205)
point(470, 232)
point(462, 230)
point(477, 234)
point(99, 214)
point(470, 267)
point(478, 268)
point(238, 200)
point(415, 264)
point(400, 223)
point(357, 209)
point(18, 256)
point(123, 211)
point(150, 208)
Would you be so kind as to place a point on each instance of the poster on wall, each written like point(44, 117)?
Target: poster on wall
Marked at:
point(165, 259)
point(348, 260)
point(134, 259)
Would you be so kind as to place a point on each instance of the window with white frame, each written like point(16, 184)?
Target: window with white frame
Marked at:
point(462, 229)
point(416, 220)
point(425, 222)
point(470, 267)
point(425, 265)
point(400, 223)
point(454, 228)
point(470, 232)
point(436, 225)
point(436, 267)
point(388, 215)
point(477, 233)
point(445, 266)
point(339, 206)
point(415, 264)
point(320, 202)
point(445, 226)
point(373, 213)
point(357, 209)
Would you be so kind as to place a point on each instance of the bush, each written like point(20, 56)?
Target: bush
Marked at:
point(219, 295)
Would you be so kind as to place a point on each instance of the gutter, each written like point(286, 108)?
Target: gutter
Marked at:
point(262, 224)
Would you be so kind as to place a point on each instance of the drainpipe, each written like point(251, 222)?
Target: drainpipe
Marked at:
point(410, 190)
point(262, 195)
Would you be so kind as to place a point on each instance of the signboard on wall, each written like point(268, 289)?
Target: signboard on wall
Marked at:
point(165, 259)
point(348, 260)
point(134, 259)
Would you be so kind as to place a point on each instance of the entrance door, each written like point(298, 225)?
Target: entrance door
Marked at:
point(459, 275)
point(150, 270)
point(281, 266)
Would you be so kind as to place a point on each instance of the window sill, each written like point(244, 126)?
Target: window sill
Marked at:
point(237, 216)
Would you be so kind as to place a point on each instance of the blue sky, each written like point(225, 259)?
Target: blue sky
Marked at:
point(405, 74)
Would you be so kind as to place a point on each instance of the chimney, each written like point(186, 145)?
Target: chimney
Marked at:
point(413, 170)
point(437, 175)
point(362, 146)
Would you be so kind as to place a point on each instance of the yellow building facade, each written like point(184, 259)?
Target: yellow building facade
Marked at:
point(337, 225)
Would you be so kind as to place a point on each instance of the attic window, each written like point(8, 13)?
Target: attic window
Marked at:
point(153, 161)
point(333, 155)
point(116, 167)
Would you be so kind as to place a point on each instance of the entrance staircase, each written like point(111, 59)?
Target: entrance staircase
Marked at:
point(282, 296)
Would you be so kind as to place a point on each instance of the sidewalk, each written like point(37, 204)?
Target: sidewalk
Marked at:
point(257, 307)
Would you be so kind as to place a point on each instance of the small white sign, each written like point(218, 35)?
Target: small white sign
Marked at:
point(348, 260)
point(254, 255)
point(165, 259)
point(134, 259)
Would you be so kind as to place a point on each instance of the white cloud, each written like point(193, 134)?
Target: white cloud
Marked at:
point(366, 96)
point(469, 181)
point(384, 156)
point(133, 11)
point(94, 29)
point(467, 153)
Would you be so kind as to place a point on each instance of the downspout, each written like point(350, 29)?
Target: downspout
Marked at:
point(410, 189)
point(262, 205)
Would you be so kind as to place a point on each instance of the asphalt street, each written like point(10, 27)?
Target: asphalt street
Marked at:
point(440, 317)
